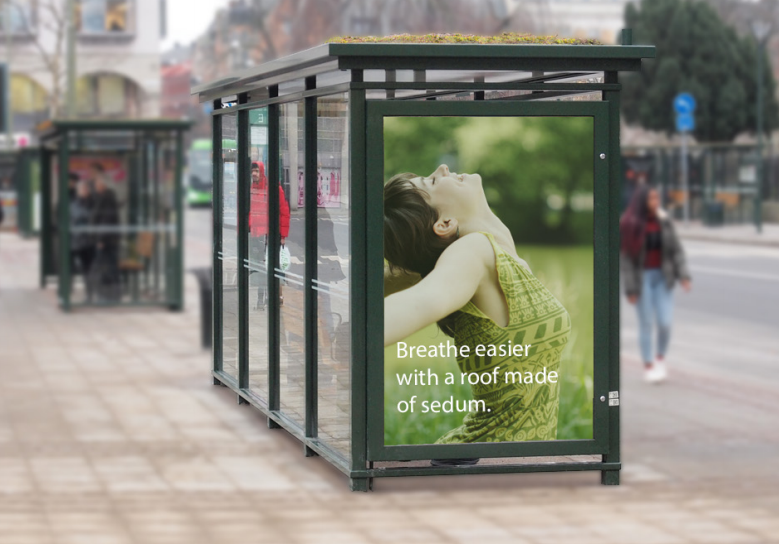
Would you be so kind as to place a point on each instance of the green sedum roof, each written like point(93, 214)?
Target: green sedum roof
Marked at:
point(505, 38)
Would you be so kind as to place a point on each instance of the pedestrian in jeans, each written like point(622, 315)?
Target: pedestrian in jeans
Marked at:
point(652, 260)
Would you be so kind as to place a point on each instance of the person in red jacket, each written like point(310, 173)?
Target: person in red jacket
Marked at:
point(258, 210)
point(258, 220)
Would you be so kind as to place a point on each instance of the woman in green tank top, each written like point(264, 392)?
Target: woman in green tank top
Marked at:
point(478, 290)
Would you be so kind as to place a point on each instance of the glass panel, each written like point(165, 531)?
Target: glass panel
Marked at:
point(258, 242)
point(292, 327)
point(332, 284)
point(122, 225)
point(229, 249)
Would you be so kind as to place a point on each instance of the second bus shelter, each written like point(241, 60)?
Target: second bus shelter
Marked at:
point(112, 211)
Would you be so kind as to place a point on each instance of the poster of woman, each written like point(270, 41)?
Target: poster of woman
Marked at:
point(488, 308)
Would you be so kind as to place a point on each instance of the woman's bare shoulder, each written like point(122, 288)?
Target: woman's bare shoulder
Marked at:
point(473, 247)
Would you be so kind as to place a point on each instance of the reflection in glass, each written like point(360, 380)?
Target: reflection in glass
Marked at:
point(257, 260)
point(291, 271)
point(332, 283)
point(229, 251)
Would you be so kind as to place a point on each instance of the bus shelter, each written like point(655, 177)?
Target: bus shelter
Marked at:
point(112, 217)
point(303, 147)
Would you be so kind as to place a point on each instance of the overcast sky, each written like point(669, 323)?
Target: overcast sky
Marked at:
point(187, 19)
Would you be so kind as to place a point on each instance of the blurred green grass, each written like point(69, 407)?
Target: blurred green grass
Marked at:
point(567, 272)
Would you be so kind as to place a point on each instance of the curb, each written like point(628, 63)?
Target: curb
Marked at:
point(744, 242)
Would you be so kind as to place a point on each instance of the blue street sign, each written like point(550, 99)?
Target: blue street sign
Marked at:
point(684, 103)
point(685, 122)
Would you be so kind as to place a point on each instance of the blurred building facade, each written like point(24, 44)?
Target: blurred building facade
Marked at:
point(117, 59)
point(250, 32)
point(176, 101)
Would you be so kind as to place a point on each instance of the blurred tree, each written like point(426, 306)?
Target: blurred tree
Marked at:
point(696, 53)
point(418, 144)
point(49, 46)
point(525, 164)
point(531, 168)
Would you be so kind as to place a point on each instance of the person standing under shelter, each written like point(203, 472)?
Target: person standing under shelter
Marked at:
point(105, 220)
point(82, 247)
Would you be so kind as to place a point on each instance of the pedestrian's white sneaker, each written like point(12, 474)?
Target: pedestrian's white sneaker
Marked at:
point(662, 370)
point(654, 374)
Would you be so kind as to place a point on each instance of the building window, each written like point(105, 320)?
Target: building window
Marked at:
point(103, 17)
point(107, 95)
point(29, 103)
point(19, 15)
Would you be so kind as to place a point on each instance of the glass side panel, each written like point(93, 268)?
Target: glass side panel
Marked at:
point(291, 270)
point(229, 250)
point(333, 278)
point(257, 259)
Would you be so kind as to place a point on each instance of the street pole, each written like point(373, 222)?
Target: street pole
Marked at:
point(759, 170)
point(9, 121)
point(70, 101)
point(685, 180)
point(761, 29)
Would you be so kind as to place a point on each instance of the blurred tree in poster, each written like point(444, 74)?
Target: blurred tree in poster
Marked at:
point(696, 53)
point(536, 171)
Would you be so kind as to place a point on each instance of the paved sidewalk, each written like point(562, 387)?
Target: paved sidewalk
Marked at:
point(110, 432)
point(732, 234)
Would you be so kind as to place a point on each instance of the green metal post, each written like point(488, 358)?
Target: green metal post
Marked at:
point(46, 230)
point(218, 218)
point(63, 222)
point(612, 97)
point(759, 167)
point(310, 273)
point(179, 207)
point(358, 289)
point(274, 180)
point(155, 211)
point(243, 188)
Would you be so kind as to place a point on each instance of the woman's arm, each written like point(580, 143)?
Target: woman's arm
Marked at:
point(680, 261)
point(398, 280)
point(451, 284)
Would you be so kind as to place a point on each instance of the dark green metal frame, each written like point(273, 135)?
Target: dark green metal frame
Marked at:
point(376, 112)
point(318, 68)
point(61, 138)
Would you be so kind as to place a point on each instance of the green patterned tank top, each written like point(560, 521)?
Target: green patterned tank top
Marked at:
point(515, 411)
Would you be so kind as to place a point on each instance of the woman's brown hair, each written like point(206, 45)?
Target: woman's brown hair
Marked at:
point(410, 242)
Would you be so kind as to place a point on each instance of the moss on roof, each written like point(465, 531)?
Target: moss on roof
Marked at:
point(505, 38)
